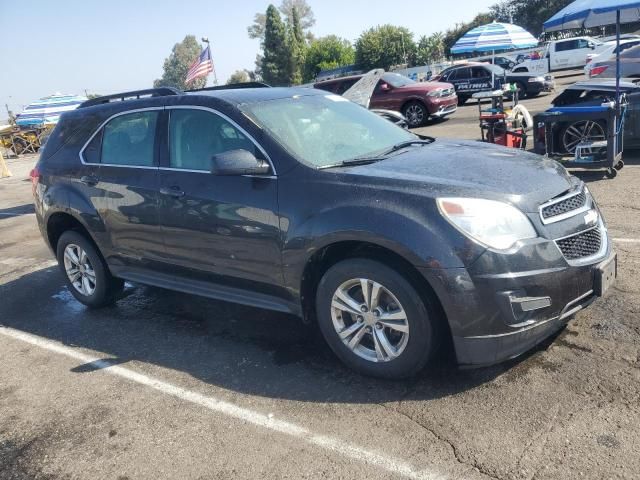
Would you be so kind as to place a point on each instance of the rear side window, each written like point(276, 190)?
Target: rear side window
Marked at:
point(197, 135)
point(568, 45)
point(129, 140)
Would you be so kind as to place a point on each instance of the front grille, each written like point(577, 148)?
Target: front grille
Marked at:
point(581, 245)
point(563, 206)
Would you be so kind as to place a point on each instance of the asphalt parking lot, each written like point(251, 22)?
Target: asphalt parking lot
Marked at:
point(167, 385)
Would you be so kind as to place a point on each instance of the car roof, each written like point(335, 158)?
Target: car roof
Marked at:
point(255, 95)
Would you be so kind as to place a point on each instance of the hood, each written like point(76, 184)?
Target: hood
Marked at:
point(472, 169)
point(424, 87)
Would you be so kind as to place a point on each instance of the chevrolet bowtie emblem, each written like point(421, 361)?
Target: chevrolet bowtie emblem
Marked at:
point(591, 217)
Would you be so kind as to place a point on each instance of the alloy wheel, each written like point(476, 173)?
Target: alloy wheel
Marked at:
point(414, 114)
point(369, 320)
point(581, 132)
point(79, 270)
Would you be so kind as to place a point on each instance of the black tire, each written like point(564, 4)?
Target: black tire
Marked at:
point(416, 114)
point(533, 94)
point(462, 99)
point(422, 340)
point(106, 287)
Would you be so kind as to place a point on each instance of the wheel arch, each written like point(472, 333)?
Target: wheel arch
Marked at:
point(327, 256)
point(62, 221)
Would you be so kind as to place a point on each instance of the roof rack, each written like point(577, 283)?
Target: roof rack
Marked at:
point(136, 94)
point(232, 86)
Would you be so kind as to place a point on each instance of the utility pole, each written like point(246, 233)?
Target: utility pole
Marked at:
point(215, 77)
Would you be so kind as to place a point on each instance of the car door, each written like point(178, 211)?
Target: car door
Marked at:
point(564, 54)
point(481, 79)
point(221, 226)
point(126, 149)
point(461, 80)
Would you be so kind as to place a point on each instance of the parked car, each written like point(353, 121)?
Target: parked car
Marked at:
point(561, 55)
point(596, 92)
point(629, 65)
point(417, 101)
point(299, 201)
point(473, 77)
point(609, 53)
point(503, 62)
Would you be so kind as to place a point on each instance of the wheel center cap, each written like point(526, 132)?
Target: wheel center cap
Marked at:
point(369, 318)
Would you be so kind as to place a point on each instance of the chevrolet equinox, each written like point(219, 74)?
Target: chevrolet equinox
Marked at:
point(299, 201)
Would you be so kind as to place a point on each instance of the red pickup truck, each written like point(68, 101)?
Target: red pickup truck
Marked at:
point(416, 101)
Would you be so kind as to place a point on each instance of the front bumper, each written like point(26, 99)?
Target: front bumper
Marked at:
point(497, 316)
point(441, 107)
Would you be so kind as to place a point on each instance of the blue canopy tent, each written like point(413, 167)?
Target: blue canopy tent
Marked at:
point(597, 13)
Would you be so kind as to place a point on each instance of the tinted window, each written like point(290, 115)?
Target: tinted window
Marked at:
point(460, 74)
point(568, 45)
point(479, 72)
point(628, 45)
point(129, 139)
point(197, 135)
point(91, 153)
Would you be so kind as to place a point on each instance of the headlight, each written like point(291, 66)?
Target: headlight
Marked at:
point(435, 93)
point(494, 224)
point(536, 79)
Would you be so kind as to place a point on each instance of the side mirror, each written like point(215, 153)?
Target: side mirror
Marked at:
point(592, 46)
point(385, 87)
point(238, 162)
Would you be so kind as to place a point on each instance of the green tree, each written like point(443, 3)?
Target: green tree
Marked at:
point(384, 46)
point(325, 53)
point(177, 65)
point(239, 76)
point(297, 46)
point(276, 57)
point(529, 14)
point(303, 10)
point(430, 49)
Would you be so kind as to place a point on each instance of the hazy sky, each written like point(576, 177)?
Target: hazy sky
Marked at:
point(68, 46)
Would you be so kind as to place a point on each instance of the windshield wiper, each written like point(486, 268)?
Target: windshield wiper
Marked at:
point(408, 143)
point(351, 162)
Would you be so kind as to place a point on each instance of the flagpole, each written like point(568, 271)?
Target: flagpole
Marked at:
point(213, 67)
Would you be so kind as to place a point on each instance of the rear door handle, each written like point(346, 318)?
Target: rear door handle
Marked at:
point(172, 192)
point(90, 180)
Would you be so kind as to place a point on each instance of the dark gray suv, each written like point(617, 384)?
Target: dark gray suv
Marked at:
point(300, 201)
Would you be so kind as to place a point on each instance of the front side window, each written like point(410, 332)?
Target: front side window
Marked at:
point(325, 129)
point(129, 139)
point(195, 136)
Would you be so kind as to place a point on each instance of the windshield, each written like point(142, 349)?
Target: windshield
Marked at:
point(397, 80)
point(326, 129)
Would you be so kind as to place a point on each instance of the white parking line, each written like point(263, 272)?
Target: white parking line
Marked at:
point(627, 240)
point(339, 446)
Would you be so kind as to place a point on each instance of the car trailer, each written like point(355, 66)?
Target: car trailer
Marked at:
point(590, 154)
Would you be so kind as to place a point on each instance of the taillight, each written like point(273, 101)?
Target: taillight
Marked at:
point(595, 71)
point(35, 178)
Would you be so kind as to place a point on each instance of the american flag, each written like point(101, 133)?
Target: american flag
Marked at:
point(201, 67)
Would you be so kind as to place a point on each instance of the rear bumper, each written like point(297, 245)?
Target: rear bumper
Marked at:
point(495, 317)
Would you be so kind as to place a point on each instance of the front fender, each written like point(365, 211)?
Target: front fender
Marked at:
point(422, 237)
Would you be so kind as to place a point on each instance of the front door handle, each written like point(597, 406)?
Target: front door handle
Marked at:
point(172, 192)
point(90, 180)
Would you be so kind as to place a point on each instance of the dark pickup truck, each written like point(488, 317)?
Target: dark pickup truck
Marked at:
point(470, 78)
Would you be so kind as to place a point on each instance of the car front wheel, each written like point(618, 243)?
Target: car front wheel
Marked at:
point(416, 114)
point(88, 278)
point(374, 320)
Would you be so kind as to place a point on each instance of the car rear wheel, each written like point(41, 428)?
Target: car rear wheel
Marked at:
point(374, 320)
point(462, 99)
point(416, 114)
point(88, 278)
